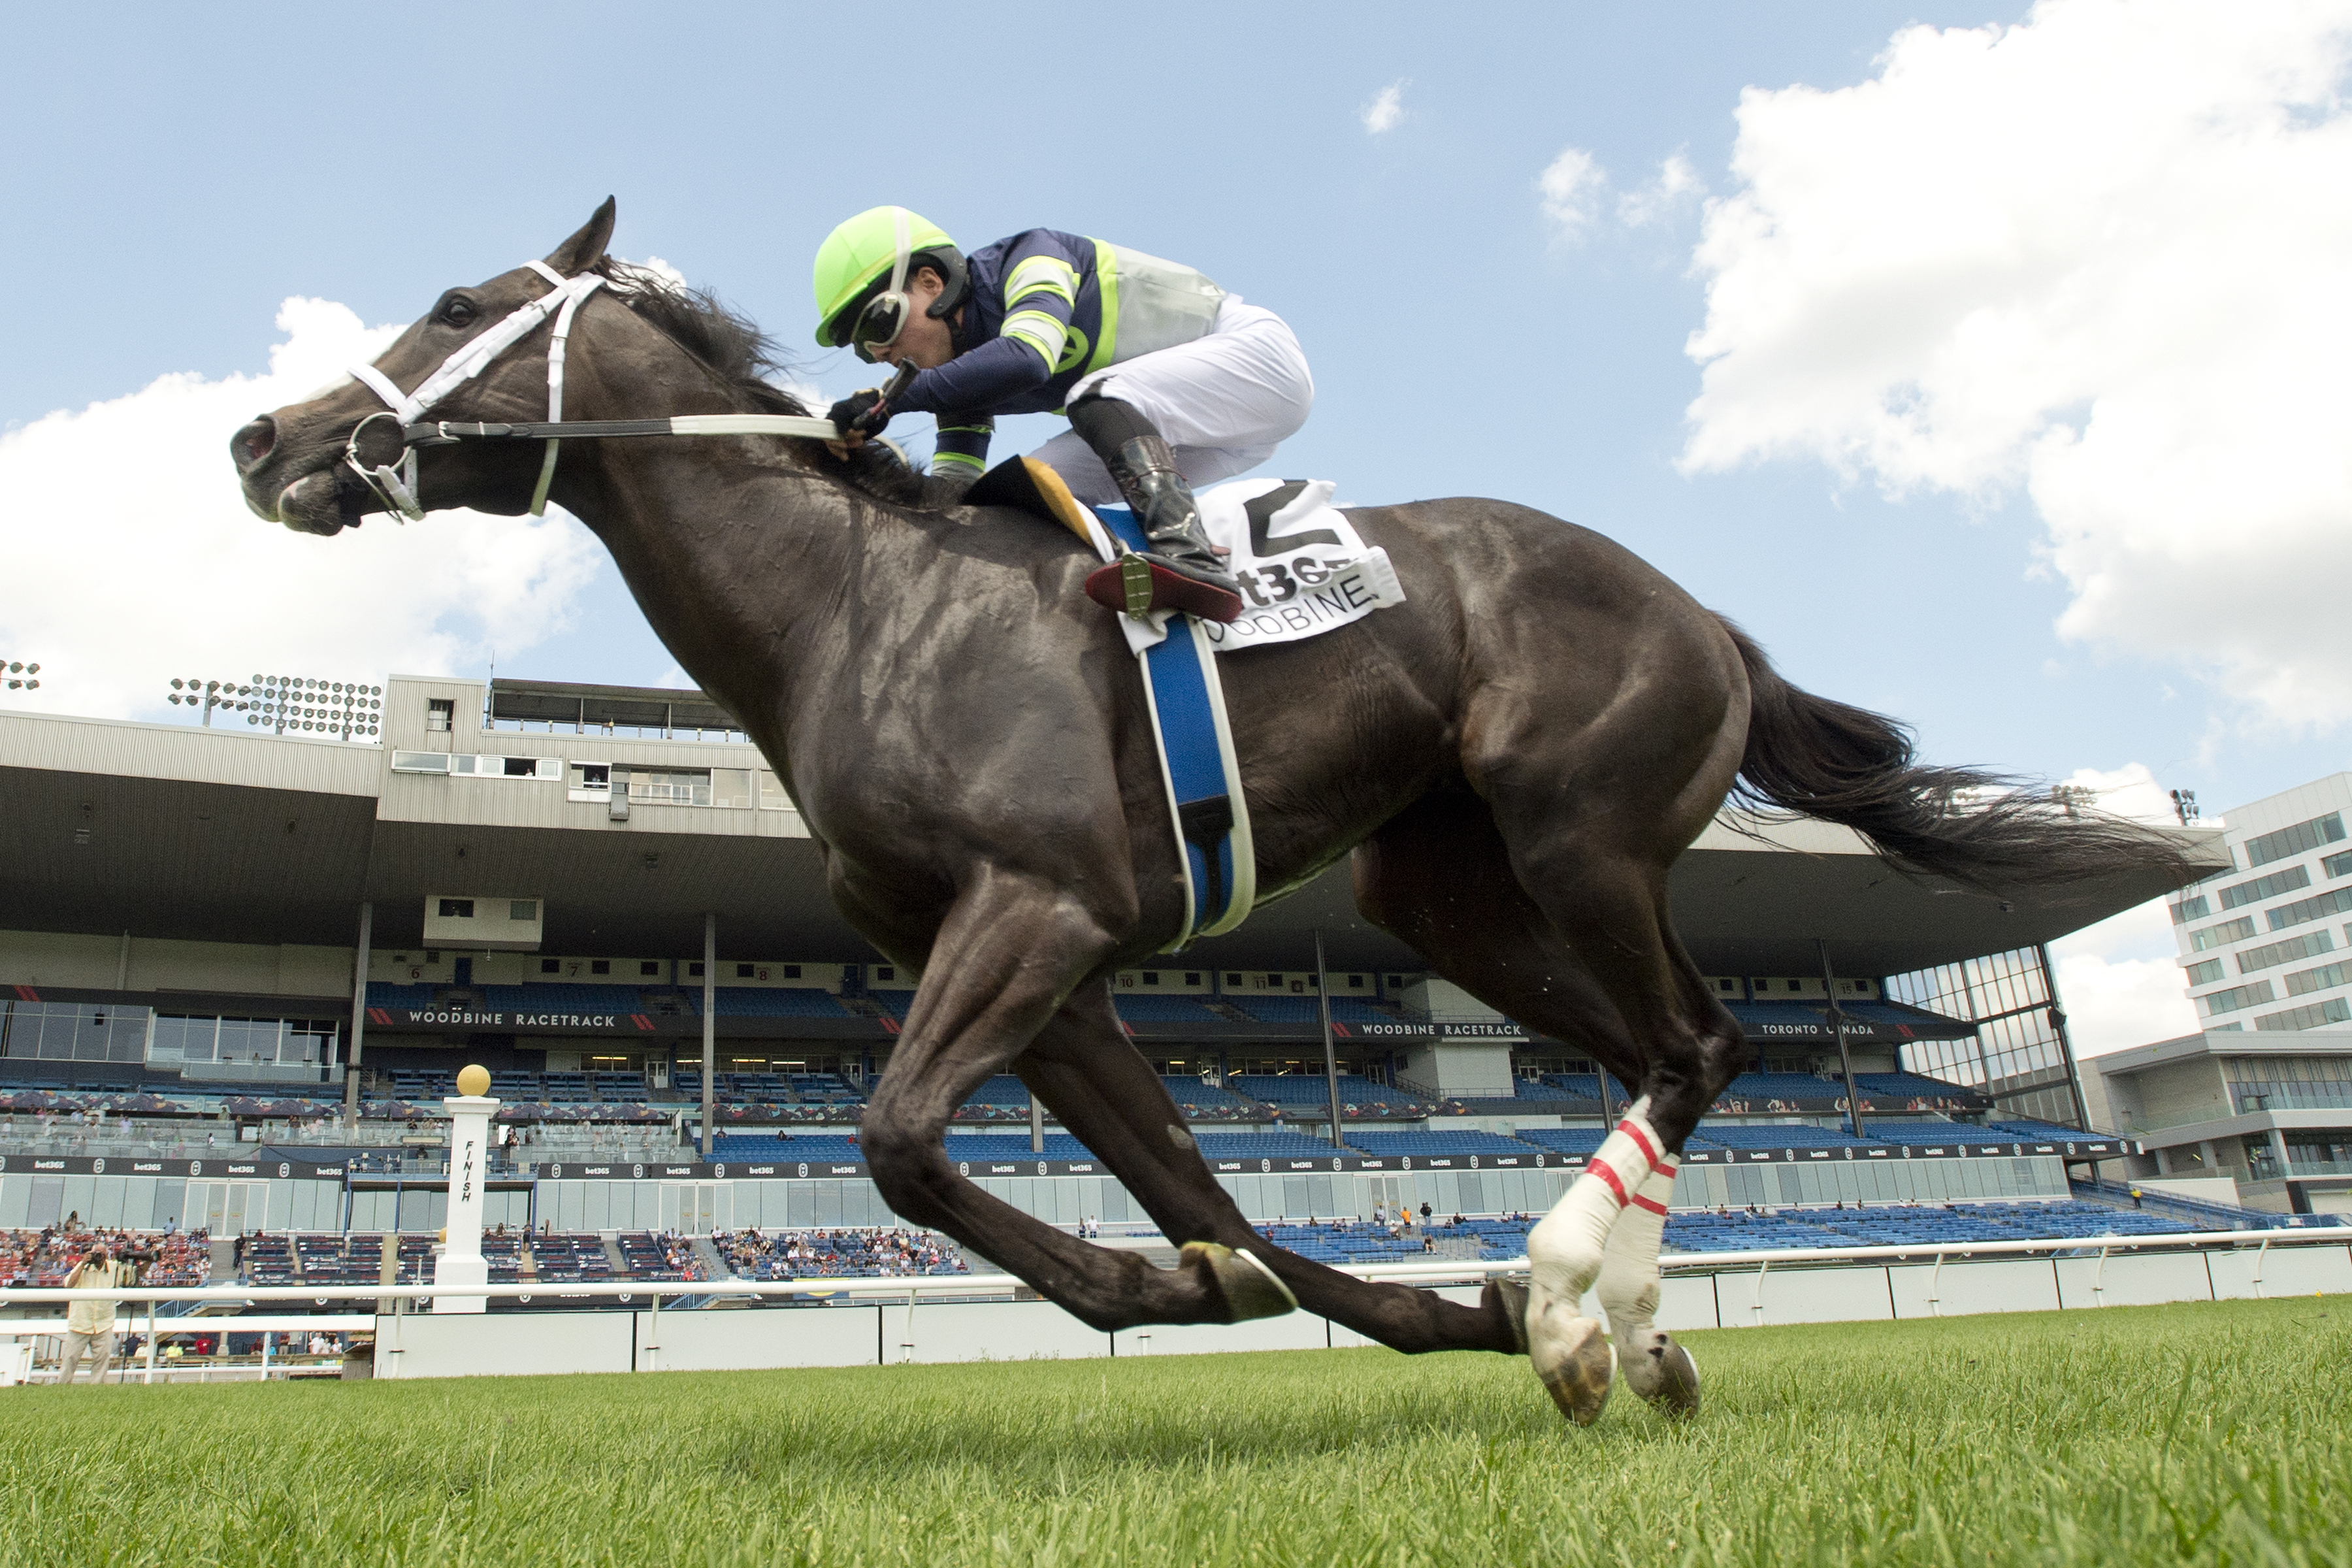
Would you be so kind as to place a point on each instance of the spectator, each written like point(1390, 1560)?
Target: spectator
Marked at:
point(89, 1325)
point(1424, 1214)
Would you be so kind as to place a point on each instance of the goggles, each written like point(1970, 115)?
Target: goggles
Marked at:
point(885, 316)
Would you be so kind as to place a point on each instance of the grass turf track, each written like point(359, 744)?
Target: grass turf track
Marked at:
point(2193, 1433)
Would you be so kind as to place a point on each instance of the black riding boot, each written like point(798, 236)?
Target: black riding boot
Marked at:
point(1146, 473)
point(1145, 470)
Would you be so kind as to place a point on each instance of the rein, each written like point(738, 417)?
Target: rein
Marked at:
point(394, 483)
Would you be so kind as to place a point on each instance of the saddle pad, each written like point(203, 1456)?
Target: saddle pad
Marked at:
point(1302, 566)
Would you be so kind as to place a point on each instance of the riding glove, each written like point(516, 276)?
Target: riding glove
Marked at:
point(862, 411)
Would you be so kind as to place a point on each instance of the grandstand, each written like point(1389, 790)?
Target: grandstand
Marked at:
point(216, 1045)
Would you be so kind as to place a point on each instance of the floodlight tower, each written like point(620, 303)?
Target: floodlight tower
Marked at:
point(346, 710)
point(20, 675)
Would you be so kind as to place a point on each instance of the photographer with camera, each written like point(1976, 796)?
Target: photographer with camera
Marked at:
point(89, 1325)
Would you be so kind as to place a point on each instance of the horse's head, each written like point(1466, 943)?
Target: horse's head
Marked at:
point(293, 462)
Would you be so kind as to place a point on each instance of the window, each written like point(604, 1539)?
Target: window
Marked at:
point(2299, 839)
point(2236, 997)
point(600, 966)
point(2188, 910)
point(2327, 977)
point(2337, 864)
point(73, 1031)
point(1152, 977)
point(2222, 935)
point(2273, 954)
point(649, 966)
point(742, 972)
point(546, 966)
point(2262, 888)
point(792, 972)
point(457, 909)
point(694, 972)
point(522, 908)
point(2319, 908)
point(2310, 1016)
point(1232, 980)
point(439, 712)
point(1192, 977)
point(883, 971)
point(2207, 973)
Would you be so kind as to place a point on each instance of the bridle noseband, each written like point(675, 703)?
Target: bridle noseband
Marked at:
point(394, 483)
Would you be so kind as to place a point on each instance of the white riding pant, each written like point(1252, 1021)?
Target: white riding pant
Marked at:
point(1223, 402)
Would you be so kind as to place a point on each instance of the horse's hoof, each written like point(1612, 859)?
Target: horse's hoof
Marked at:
point(1251, 1289)
point(1661, 1371)
point(1575, 1360)
point(1509, 1297)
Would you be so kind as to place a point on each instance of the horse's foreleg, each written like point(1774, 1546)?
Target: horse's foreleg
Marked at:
point(998, 969)
point(1101, 1088)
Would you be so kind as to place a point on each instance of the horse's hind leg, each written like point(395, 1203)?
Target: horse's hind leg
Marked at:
point(1100, 1087)
point(1441, 878)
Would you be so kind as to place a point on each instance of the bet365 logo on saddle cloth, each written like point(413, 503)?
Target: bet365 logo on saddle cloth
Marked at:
point(1302, 566)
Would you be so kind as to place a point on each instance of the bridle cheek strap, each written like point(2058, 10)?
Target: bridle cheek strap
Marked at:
point(396, 487)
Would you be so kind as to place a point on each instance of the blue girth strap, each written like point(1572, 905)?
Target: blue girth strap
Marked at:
point(1187, 702)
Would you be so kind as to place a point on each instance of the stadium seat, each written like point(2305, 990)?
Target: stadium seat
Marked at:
point(1466, 1140)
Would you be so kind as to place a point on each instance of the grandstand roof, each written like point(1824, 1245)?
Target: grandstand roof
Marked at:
point(171, 830)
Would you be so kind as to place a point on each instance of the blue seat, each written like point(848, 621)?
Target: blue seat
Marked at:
point(1466, 1140)
point(1777, 1135)
point(1145, 1008)
point(762, 1002)
point(1262, 1146)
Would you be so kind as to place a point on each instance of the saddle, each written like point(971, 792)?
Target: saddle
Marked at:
point(1129, 583)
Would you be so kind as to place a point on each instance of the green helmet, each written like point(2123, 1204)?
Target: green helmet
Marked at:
point(863, 252)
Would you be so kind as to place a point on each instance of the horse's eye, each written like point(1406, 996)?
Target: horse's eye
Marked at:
point(458, 311)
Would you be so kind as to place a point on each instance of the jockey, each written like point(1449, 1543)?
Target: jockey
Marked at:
point(1168, 380)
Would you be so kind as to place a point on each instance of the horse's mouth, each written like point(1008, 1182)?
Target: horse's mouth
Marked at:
point(323, 501)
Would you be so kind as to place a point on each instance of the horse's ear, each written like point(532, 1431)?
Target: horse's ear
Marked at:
point(586, 249)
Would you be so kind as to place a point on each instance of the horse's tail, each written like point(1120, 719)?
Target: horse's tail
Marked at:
point(1842, 764)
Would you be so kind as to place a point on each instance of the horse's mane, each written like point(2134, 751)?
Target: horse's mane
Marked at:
point(746, 362)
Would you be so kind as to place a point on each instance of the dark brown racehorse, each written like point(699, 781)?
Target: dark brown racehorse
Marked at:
point(1514, 758)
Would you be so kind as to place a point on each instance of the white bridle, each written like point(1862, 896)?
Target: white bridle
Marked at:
point(395, 486)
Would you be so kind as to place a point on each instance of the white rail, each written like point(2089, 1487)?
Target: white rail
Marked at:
point(896, 1286)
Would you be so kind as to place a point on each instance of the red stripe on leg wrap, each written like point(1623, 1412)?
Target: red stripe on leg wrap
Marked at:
point(1649, 1150)
point(1600, 1169)
point(1655, 1206)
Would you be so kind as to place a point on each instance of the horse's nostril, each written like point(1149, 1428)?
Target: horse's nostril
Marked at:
point(253, 443)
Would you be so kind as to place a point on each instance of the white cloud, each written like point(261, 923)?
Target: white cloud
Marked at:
point(1677, 187)
point(2098, 256)
point(2120, 980)
point(1386, 109)
point(132, 557)
point(1571, 186)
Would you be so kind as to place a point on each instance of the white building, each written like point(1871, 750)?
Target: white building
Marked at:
point(2265, 944)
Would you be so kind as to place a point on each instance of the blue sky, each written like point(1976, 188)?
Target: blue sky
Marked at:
point(195, 168)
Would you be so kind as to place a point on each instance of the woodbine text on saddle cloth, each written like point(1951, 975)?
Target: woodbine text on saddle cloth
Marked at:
point(1302, 566)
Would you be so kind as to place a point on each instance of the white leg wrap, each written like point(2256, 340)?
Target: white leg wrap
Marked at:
point(1564, 1252)
point(1628, 1268)
point(1654, 1366)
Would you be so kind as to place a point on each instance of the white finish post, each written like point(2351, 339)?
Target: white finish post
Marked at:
point(461, 1261)
point(709, 1026)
